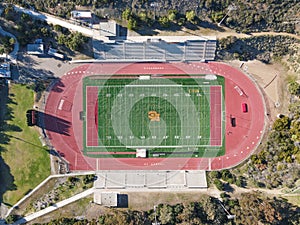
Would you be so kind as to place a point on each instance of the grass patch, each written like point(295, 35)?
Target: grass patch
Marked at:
point(293, 199)
point(28, 161)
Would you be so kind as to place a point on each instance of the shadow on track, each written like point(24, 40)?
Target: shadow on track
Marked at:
point(53, 123)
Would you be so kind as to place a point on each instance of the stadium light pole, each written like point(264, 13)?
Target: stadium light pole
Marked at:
point(229, 216)
point(155, 223)
point(230, 8)
point(154, 5)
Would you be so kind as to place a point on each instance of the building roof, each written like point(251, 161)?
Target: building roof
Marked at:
point(5, 70)
point(141, 153)
point(108, 28)
point(109, 199)
point(81, 14)
point(35, 49)
point(55, 53)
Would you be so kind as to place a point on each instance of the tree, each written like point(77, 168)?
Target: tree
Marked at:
point(12, 41)
point(187, 213)
point(172, 15)
point(166, 215)
point(44, 31)
point(219, 184)
point(11, 219)
point(88, 178)
point(240, 181)
point(143, 16)
point(58, 28)
point(164, 21)
point(126, 14)
point(61, 39)
point(181, 21)
point(190, 16)
point(9, 12)
point(217, 16)
point(294, 88)
point(215, 174)
point(281, 124)
point(132, 24)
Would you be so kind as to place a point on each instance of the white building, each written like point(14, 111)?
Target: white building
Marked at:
point(81, 15)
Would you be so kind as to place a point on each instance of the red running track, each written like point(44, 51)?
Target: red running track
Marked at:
point(64, 127)
point(91, 116)
point(215, 116)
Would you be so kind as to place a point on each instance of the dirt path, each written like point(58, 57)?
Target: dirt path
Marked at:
point(219, 34)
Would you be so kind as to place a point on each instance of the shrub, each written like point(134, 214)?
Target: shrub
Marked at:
point(219, 185)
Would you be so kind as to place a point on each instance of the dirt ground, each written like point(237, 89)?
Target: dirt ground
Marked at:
point(85, 208)
point(144, 201)
point(271, 80)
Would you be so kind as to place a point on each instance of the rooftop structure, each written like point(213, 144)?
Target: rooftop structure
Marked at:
point(53, 52)
point(108, 28)
point(141, 153)
point(109, 199)
point(81, 15)
point(37, 48)
point(5, 70)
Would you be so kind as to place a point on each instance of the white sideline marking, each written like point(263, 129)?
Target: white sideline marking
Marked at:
point(153, 85)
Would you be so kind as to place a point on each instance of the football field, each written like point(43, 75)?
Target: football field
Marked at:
point(169, 116)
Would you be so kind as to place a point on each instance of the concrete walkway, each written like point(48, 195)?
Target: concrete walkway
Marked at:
point(55, 206)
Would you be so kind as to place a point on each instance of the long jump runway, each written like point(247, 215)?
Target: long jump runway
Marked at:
point(65, 103)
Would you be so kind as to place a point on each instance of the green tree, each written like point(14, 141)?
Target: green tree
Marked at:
point(294, 88)
point(132, 24)
point(281, 124)
point(217, 16)
point(11, 219)
point(45, 32)
point(164, 21)
point(166, 214)
point(12, 41)
point(61, 39)
point(172, 15)
point(240, 181)
point(88, 178)
point(190, 16)
point(143, 16)
point(126, 14)
point(25, 17)
point(2, 50)
point(219, 185)
point(181, 21)
point(215, 174)
point(9, 12)
point(57, 28)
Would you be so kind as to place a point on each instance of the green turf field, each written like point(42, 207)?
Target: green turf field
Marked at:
point(169, 116)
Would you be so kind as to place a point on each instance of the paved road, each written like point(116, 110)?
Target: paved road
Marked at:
point(55, 206)
point(57, 21)
point(94, 33)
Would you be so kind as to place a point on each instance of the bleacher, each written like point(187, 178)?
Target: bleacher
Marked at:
point(156, 50)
